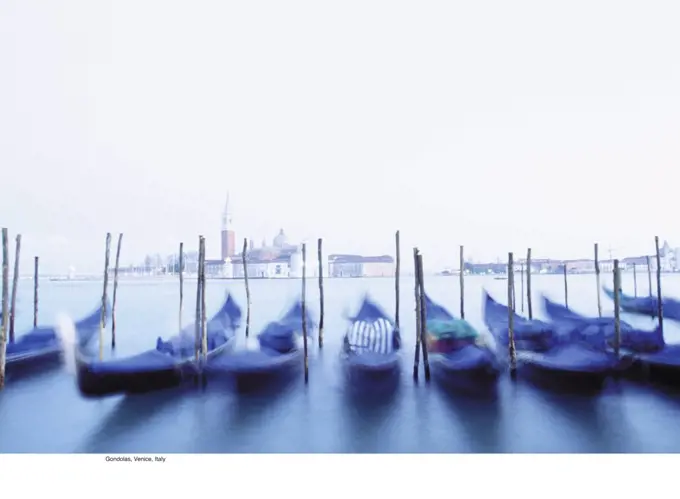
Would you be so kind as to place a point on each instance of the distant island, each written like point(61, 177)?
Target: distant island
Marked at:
point(670, 262)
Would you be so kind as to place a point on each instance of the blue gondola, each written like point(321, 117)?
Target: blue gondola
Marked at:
point(371, 346)
point(584, 327)
point(647, 305)
point(530, 334)
point(278, 357)
point(459, 357)
point(569, 363)
point(42, 346)
point(649, 353)
point(163, 367)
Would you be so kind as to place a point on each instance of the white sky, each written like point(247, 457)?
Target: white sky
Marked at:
point(497, 125)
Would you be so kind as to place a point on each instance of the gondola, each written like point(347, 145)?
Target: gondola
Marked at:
point(583, 327)
point(530, 334)
point(278, 355)
point(371, 346)
point(162, 367)
point(651, 357)
point(459, 356)
point(647, 305)
point(43, 346)
point(570, 363)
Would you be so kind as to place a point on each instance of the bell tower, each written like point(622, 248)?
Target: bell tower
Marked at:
point(228, 236)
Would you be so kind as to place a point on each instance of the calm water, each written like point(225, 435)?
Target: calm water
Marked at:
point(45, 413)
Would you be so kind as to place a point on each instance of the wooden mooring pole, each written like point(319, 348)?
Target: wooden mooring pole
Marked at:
point(658, 284)
point(321, 307)
point(617, 305)
point(419, 304)
point(204, 323)
point(5, 305)
point(566, 287)
point(397, 275)
point(514, 297)
point(197, 314)
point(635, 279)
point(181, 283)
point(304, 310)
point(423, 317)
point(649, 275)
point(35, 291)
point(15, 284)
point(245, 277)
point(115, 292)
point(521, 279)
point(461, 266)
point(531, 313)
point(511, 314)
point(597, 280)
point(102, 321)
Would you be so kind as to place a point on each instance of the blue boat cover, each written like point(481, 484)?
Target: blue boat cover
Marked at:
point(168, 354)
point(278, 347)
point(600, 331)
point(281, 336)
point(646, 305)
point(573, 358)
point(371, 330)
point(529, 334)
point(41, 338)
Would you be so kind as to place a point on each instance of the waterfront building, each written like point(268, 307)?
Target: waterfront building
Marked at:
point(343, 265)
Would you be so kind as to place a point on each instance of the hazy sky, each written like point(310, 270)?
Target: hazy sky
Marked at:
point(497, 125)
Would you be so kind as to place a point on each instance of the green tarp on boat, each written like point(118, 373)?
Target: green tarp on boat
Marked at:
point(458, 329)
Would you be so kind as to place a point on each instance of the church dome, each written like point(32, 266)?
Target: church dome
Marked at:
point(281, 240)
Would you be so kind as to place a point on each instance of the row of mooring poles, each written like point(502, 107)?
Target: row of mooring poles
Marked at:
point(421, 320)
point(7, 333)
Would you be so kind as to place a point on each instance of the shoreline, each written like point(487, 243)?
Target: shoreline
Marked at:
point(221, 278)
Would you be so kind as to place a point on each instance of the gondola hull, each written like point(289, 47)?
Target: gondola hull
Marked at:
point(42, 347)
point(471, 370)
point(570, 367)
point(662, 367)
point(146, 372)
point(255, 369)
point(44, 357)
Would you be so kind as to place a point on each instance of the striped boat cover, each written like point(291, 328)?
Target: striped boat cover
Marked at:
point(370, 336)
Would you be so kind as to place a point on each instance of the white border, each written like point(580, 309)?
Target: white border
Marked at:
point(251, 476)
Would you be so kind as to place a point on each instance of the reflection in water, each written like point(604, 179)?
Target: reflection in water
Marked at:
point(367, 414)
point(480, 418)
point(132, 412)
point(323, 416)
